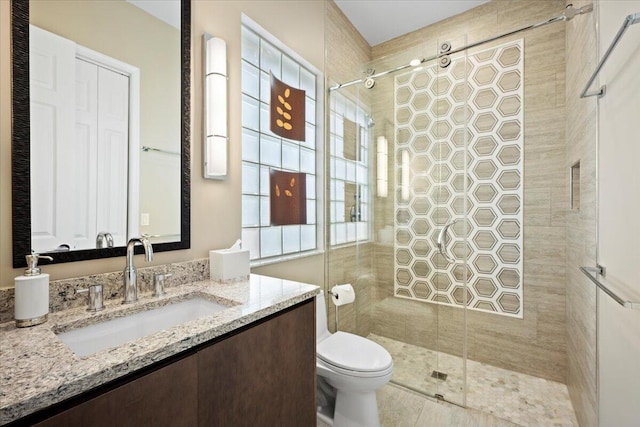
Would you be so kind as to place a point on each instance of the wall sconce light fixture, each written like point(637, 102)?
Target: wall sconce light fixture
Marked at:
point(406, 176)
point(215, 108)
point(382, 155)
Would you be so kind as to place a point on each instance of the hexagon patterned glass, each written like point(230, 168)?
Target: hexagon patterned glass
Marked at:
point(471, 170)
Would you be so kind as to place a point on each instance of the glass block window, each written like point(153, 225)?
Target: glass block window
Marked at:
point(351, 132)
point(263, 150)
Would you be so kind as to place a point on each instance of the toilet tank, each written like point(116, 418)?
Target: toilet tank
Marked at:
point(322, 332)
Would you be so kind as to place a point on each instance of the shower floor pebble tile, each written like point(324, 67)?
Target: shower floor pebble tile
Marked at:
point(519, 398)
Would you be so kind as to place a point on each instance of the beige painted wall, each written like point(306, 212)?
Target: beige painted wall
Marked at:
point(215, 205)
point(6, 272)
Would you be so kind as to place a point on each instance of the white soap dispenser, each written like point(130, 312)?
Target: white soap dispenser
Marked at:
point(32, 294)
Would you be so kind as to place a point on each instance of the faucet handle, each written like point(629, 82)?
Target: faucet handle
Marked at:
point(158, 283)
point(95, 298)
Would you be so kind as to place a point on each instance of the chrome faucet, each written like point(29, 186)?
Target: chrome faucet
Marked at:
point(102, 238)
point(130, 276)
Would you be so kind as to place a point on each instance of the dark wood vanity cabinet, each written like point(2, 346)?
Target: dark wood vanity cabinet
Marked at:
point(262, 375)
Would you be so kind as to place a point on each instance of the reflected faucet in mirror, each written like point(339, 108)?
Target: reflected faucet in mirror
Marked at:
point(104, 239)
point(130, 275)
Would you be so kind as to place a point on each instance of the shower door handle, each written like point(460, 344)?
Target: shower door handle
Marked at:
point(442, 241)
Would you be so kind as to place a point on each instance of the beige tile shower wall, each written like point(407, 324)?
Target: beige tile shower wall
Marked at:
point(581, 224)
point(353, 265)
point(432, 130)
point(347, 55)
point(347, 51)
point(536, 344)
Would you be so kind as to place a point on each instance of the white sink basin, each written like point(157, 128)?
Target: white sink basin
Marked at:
point(113, 333)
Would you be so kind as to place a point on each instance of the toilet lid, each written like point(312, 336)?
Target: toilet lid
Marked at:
point(349, 351)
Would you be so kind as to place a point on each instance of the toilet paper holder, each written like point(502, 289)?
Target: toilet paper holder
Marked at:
point(336, 295)
point(342, 294)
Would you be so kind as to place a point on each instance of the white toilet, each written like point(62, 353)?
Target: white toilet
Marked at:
point(355, 367)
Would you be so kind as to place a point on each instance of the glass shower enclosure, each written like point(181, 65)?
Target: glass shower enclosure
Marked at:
point(425, 165)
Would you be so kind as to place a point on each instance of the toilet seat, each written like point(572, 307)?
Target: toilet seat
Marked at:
point(354, 355)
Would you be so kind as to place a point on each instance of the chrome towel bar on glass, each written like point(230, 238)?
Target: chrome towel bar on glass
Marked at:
point(628, 21)
point(158, 150)
point(609, 287)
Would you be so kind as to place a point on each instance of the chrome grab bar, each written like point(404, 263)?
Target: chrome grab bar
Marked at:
point(442, 241)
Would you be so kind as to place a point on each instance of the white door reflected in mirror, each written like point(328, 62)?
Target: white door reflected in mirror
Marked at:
point(105, 122)
point(84, 109)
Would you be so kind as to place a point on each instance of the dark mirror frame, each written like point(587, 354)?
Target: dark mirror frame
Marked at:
point(20, 146)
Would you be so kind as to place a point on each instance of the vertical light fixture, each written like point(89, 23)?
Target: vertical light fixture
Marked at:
point(405, 176)
point(215, 108)
point(382, 180)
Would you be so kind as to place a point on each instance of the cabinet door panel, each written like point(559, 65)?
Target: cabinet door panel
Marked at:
point(166, 397)
point(264, 376)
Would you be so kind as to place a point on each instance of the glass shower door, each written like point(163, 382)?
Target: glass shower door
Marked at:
point(411, 276)
point(449, 136)
point(415, 349)
point(431, 205)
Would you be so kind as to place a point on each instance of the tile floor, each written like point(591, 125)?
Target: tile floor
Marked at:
point(521, 399)
point(400, 407)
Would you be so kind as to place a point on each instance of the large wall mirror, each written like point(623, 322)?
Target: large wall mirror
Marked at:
point(100, 136)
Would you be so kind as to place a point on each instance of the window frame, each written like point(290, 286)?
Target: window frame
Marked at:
point(367, 163)
point(250, 25)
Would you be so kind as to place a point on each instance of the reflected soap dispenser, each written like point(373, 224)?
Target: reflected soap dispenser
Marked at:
point(32, 294)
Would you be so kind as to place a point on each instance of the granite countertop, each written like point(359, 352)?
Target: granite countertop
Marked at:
point(38, 370)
